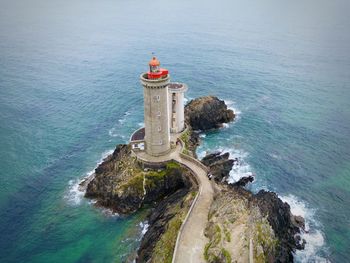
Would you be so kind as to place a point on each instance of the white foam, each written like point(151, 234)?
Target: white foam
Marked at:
point(187, 99)
point(141, 124)
point(313, 235)
point(240, 168)
point(225, 125)
point(124, 118)
point(109, 212)
point(275, 156)
point(113, 132)
point(231, 105)
point(144, 227)
point(74, 195)
point(202, 135)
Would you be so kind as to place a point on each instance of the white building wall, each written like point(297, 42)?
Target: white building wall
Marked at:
point(179, 124)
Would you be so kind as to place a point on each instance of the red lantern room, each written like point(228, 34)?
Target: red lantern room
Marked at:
point(155, 72)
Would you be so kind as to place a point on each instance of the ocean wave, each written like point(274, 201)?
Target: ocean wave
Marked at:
point(144, 227)
point(75, 193)
point(113, 132)
point(313, 234)
point(231, 105)
point(124, 118)
point(241, 167)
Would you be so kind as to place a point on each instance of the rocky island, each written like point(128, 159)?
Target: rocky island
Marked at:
point(240, 225)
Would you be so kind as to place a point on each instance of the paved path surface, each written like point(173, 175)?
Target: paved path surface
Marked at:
point(191, 243)
point(192, 240)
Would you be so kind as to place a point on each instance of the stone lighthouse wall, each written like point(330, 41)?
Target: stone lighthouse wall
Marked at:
point(157, 132)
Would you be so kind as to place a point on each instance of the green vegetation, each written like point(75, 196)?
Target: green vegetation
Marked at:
point(172, 165)
point(217, 235)
point(227, 255)
point(206, 251)
point(227, 234)
point(164, 249)
point(185, 137)
point(214, 241)
point(263, 237)
point(135, 182)
point(153, 177)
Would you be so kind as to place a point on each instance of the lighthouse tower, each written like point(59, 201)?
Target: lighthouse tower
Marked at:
point(156, 110)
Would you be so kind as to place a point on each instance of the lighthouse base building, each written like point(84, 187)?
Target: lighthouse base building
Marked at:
point(163, 111)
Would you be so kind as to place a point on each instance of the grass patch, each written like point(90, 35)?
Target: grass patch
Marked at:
point(136, 182)
point(227, 255)
point(227, 234)
point(206, 251)
point(165, 246)
point(164, 249)
point(217, 235)
point(185, 137)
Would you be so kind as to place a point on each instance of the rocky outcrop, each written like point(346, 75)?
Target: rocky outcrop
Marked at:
point(122, 185)
point(262, 217)
point(164, 221)
point(206, 113)
point(232, 222)
point(237, 215)
point(286, 226)
point(219, 164)
point(243, 181)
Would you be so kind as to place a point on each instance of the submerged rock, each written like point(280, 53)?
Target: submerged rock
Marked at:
point(206, 113)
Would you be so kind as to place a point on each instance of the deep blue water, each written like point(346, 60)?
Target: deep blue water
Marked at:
point(69, 92)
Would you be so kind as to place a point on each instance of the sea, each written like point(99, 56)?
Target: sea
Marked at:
point(70, 92)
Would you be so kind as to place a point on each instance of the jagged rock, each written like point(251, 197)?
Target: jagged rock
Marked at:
point(157, 220)
point(206, 113)
point(298, 221)
point(219, 164)
point(243, 181)
point(281, 220)
point(122, 185)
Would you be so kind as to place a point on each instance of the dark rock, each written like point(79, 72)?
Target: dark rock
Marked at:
point(243, 181)
point(281, 220)
point(157, 220)
point(219, 164)
point(194, 142)
point(206, 113)
point(298, 221)
point(119, 182)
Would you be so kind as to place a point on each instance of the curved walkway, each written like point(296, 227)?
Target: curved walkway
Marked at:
point(191, 241)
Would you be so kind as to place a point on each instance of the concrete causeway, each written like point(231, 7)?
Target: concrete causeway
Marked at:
point(191, 241)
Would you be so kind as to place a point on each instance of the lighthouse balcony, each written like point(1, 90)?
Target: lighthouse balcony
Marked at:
point(137, 140)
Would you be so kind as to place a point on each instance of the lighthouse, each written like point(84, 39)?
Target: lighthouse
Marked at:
point(156, 111)
point(163, 112)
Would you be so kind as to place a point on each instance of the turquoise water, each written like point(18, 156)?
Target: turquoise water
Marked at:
point(69, 92)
